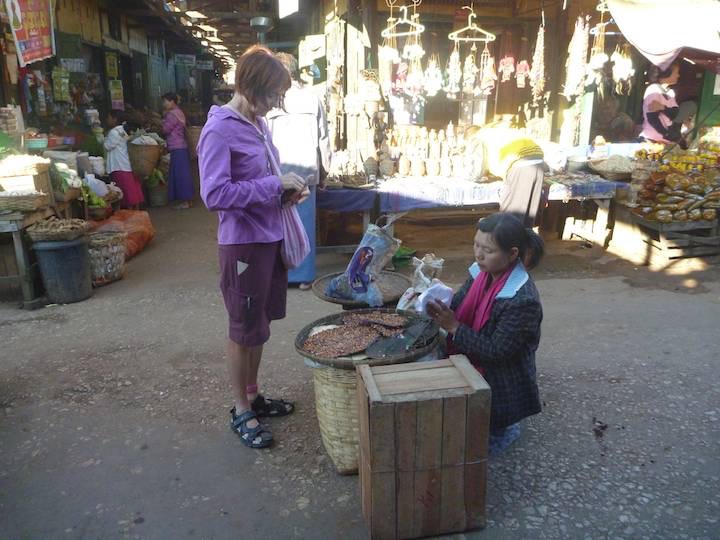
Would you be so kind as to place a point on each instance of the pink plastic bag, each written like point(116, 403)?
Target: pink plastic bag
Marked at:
point(296, 244)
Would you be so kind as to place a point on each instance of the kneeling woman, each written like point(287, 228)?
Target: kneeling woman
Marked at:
point(495, 321)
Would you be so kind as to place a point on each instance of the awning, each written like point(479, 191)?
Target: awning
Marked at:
point(661, 29)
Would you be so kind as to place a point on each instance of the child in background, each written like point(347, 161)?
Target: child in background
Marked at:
point(118, 162)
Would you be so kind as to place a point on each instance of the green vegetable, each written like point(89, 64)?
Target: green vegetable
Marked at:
point(91, 199)
point(155, 179)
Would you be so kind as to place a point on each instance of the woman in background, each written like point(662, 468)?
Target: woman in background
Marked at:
point(180, 183)
point(118, 161)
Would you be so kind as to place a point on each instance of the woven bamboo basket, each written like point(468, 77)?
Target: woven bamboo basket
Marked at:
point(56, 230)
point(24, 203)
point(336, 407)
point(193, 136)
point(144, 158)
point(107, 257)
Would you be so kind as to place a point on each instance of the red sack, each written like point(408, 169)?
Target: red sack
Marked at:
point(135, 223)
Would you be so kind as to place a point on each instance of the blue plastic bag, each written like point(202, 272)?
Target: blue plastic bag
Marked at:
point(358, 282)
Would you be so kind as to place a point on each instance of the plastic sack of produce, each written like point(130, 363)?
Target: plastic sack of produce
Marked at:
point(135, 223)
point(426, 270)
point(372, 255)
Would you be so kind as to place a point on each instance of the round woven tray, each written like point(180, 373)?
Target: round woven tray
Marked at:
point(609, 175)
point(54, 230)
point(425, 345)
point(392, 285)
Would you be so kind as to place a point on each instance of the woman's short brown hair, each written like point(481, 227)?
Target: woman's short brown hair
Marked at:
point(258, 73)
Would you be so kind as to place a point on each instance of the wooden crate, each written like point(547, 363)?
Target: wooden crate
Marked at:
point(38, 182)
point(423, 448)
point(661, 244)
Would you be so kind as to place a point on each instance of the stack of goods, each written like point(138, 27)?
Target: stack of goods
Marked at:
point(421, 152)
point(354, 335)
point(678, 197)
point(9, 120)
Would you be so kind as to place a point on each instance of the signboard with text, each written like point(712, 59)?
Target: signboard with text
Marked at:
point(187, 60)
point(32, 28)
point(205, 65)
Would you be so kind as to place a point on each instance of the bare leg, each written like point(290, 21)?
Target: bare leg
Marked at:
point(243, 364)
point(253, 368)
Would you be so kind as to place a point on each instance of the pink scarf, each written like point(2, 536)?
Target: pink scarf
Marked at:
point(474, 311)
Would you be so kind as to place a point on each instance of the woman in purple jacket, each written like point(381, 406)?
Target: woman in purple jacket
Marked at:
point(238, 182)
point(180, 183)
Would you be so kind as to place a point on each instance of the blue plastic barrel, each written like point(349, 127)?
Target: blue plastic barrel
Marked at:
point(65, 270)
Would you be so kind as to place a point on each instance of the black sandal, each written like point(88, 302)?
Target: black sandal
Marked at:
point(257, 437)
point(272, 408)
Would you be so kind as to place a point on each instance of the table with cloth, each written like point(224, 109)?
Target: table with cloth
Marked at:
point(404, 194)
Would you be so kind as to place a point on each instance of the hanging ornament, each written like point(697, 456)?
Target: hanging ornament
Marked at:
point(537, 71)
point(576, 63)
point(454, 73)
point(487, 73)
point(433, 76)
point(522, 73)
point(506, 67)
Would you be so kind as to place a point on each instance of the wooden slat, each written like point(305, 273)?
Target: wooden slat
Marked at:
point(382, 437)
point(383, 506)
point(453, 431)
point(427, 503)
point(478, 426)
point(472, 375)
point(365, 372)
point(452, 500)
point(427, 395)
point(475, 491)
point(414, 366)
point(363, 417)
point(406, 433)
point(428, 452)
point(405, 504)
point(415, 381)
point(365, 488)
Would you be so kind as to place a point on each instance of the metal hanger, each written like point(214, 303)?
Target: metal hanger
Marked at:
point(415, 29)
point(484, 35)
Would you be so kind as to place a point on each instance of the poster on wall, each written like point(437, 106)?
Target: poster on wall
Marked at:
point(32, 28)
point(111, 65)
point(117, 100)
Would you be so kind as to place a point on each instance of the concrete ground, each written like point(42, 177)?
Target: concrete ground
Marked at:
point(113, 419)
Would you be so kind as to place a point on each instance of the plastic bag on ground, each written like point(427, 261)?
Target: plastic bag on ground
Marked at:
point(358, 282)
point(135, 223)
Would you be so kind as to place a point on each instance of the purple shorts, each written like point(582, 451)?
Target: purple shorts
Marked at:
point(253, 281)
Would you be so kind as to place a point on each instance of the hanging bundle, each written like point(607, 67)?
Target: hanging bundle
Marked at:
point(522, 70)
point(576, 63)
point(623, 71)
point(470, 71)
point(454, 73)
point(537, 71)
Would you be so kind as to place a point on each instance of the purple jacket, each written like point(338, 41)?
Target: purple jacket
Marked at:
point(174, 128)
point(236, 179)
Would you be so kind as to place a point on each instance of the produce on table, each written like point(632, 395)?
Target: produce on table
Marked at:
point(676, 197)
